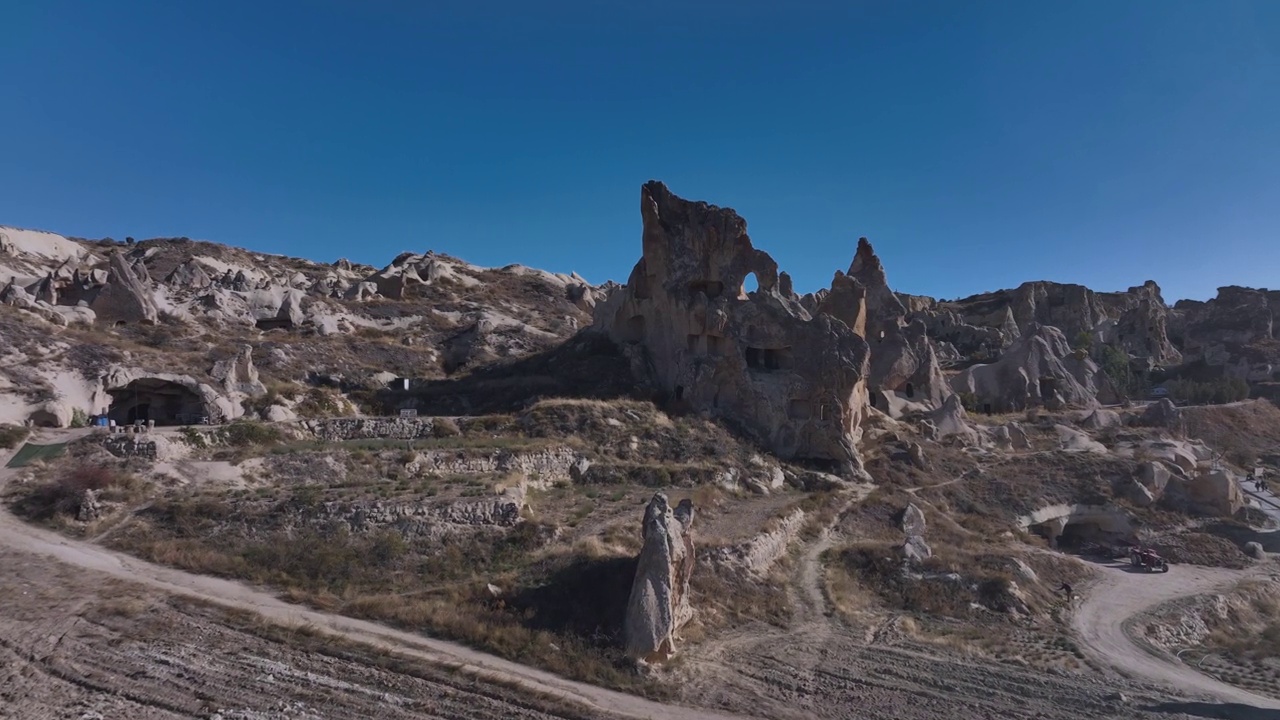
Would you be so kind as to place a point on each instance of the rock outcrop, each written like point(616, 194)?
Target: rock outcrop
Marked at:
point(237, 373)
point(126, 297)
point(795, 381)
point(913, 527)
point(1039, 370)
point(659, 602)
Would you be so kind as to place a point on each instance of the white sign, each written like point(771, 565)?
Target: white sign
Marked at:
point(408, 413)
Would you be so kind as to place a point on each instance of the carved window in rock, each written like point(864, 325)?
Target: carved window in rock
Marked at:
point(679, 392)
point(711, 288)
point(910, 390)
point(633, 330)
point(800, 409)
point(769, 359)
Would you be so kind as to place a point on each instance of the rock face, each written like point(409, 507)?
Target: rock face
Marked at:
point(1162, 413)
point(794, 380)
point(126, 297)
point(659, 603)
point(1235, 331)
point(903, 358)
point(1040, 369)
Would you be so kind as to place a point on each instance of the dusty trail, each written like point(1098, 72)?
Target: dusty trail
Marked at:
point(17, 535)
point(1119, 595)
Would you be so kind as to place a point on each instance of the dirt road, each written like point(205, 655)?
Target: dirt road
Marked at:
point(16, 535)
point(1120, 594)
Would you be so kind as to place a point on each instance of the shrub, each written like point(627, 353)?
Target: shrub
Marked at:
point(444, 428)
point(63, 495)
point(79, 418)
point(12, 435)
point(245, 433)
point(193, 437)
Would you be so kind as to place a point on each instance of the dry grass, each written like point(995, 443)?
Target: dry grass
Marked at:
point(11, 436)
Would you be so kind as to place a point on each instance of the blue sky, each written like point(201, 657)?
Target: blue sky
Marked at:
point(978, 145)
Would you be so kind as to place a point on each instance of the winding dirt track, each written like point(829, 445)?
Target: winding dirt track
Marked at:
point(1119, 595)
point(1100, 623)
point(17, 535)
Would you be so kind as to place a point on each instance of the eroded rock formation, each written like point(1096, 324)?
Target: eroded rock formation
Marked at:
point(1040, 369)
point(659, 602)
point(793, 379)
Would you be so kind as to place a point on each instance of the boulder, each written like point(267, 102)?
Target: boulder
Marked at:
point(659, 602)
point(1217, 492)
point(1100, 419)
point(1162, 413)
point(1255, 550)
point(793, 380)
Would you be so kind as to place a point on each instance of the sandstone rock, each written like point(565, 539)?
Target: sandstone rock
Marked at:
point(237, 373)
point(1072, 440)
point(126, 298)
point(793, 380)
point(55, 413)
point(913, 521)
point(952, 420)
point(1148, 486)
point(88, 508)
point(913, 526)
point(1255, 550)
point(362, 291)
point(279, 414)
point(1040, 369)
point(578, 470)
point(1217, 492)
point(659, 602)
point(1100, 419)
point(189, 275)
point(1162, 413)
point(1017, 436)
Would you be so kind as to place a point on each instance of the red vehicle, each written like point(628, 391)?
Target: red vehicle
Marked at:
point(1148, 559)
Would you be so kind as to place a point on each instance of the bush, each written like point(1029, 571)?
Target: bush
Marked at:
point(245, 433)
point(11, 436)
point(63, 496)
point(79, 418)
point(444, 428)
point(193, 437)
point(1214, 392)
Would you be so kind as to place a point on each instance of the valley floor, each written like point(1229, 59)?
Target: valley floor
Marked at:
point(90, 633)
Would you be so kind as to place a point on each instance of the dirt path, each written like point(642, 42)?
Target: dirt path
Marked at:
point(17, 535)
point(1119, 595)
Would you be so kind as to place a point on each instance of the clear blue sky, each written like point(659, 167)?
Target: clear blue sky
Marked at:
point(978, 145)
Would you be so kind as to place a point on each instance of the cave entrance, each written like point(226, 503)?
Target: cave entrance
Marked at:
point(1048, 387)
point(165, 402)
point(911, 390)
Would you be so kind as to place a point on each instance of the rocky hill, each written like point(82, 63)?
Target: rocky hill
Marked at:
point(198, 329)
